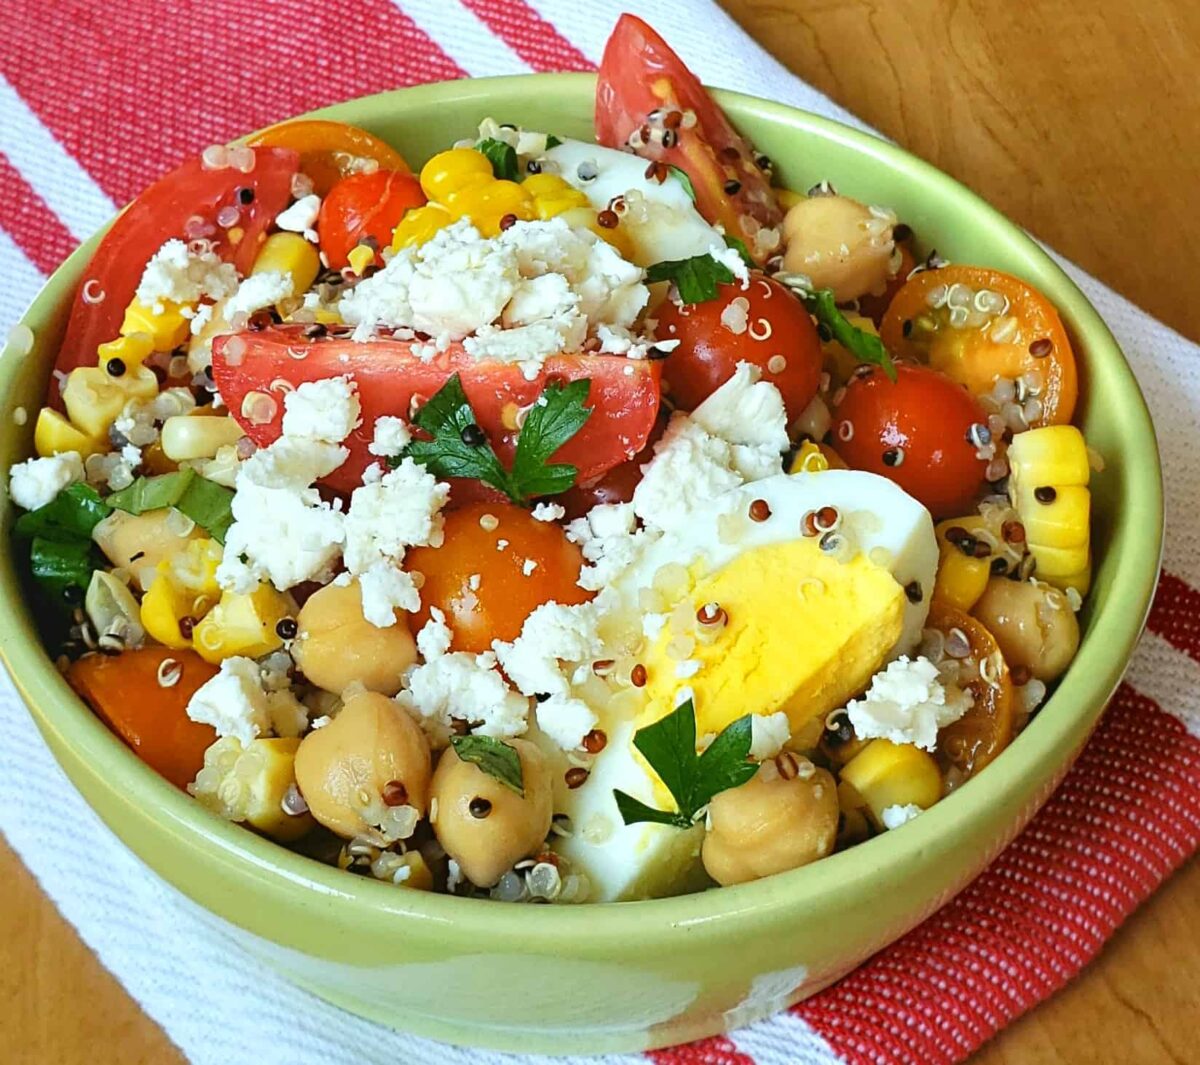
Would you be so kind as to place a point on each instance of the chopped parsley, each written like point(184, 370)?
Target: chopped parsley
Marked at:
point(495, 758)
point(739, 245)
point(681, 176)
point(697, 278)
point(864, 346)
point(207, 503)
point(552, 141)
point(669, 745)
point(62, 556)
point(502, 156)
point(459, 448)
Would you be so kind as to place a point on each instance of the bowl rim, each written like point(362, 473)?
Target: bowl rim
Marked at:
point(1088, 685)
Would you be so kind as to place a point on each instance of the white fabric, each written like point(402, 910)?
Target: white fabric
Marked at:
point(221, 1007)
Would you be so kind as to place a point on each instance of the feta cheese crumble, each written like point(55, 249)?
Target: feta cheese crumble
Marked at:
point(258, 292)
point(549, 512)
point(385, 589)
point(391, 436)
point(768, 734)
point(895, 816)
point(553, 635)
point(301, 215)
point(565, 720)
point(322, 410)
point(35, 482)
point(610, 540)
point(233, 702)
point(906, 703)
point(400, 510)
point(176, 274)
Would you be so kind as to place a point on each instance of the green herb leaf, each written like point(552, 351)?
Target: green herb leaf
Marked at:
point(552, 141)
point(207, 503)
point(739, 245)
point(866, 347)
point(696, 278)
point(495, 758)
point(681, 176)
point(60, 564)
point(669, 745)
point(70, 515)
point(502, 156)
point(557, 416)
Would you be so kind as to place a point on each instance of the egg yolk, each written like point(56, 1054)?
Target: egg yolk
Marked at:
point(496, 565)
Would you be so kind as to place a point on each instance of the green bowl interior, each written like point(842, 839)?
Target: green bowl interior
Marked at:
point(1128, 512)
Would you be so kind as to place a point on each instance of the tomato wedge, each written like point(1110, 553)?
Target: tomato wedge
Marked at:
point(157, 215)
point(330, 151)
point(974, 740)
point(365, 207)
point(645, 97)
point(1001, 328)
point(624, 393)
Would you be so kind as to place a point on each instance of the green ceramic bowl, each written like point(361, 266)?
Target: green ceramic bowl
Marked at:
point(631, 975)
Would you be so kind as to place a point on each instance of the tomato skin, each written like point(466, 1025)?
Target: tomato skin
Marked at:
point(365, 206)
point(925, 416)
point(709, 351)
point(971, 355)
point(157, 215)
point(506, 595)
point(618, 484)
point(389, 375)
point(125, 694)
point(640, 73)
point(330, 151)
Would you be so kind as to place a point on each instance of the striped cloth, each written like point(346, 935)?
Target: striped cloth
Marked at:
point(97, 97)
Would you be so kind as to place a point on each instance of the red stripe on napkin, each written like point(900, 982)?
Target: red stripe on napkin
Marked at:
point(129, 101)
point(1175, 615)
point(529, 35)
point(1107, 838)
point(34, 228)
point(715, 1051)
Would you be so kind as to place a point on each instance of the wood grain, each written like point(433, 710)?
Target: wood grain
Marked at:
point(1079, 121)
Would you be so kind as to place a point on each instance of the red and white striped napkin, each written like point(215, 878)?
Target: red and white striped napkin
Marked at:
point(96, 98)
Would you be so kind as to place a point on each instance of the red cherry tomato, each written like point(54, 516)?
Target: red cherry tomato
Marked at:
point(390, 378)
point(914, 431)
point(156, 216)
point(765, 325)
point(365, 206)
point(640, 84)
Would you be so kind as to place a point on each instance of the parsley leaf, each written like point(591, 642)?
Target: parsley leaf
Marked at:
point(739, 245)
point(552, 141)
point(681, 176)
point(502, 156)
point(669, 745)
point(495, 758)
point(207, 503)
point(866, 347)
point(696, 278)
point(556, 416)
point(58, 564)
point(70, 515)
point(61, 552)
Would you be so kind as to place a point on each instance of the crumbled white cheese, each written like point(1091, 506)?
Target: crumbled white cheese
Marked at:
point(258, 292)
point(549, 512)
point(289, 716)
point(732, 260)
point(895, 816)
point(565, 720)
point(35, 482)
point(301, 215)
point(768, 734)
point(322, 410)
point(435, 637)
point(737, 435)
point(609, 539)
point(553, 639)
point(201, 319)
point(467, 687)
point(181, 276)
point(385, 589)
point(392, 435)
point(906, 703)
point(528, 566)
point(233, 702)
point(400, 510)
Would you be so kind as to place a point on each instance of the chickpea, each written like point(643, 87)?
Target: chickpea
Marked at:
point(483, 824)
point(336, 646)
point(371, 748)
point(778, 820)
point(1033, 624)
point(839, 244)
point(139, 542)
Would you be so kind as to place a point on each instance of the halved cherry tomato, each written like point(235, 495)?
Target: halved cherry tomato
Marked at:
point(641, 76)
point(974, 740)
point(624, 393)
point(330, 151)
point(875, 307)
point(914, 431)
point(1009, 330)
point(496, 565)
point(157, 215)
point(764, 324)
point(126, 693)
point(365, 207)
point(618, 484)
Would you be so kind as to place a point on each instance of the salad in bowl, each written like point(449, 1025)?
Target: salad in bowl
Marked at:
point(561, 521)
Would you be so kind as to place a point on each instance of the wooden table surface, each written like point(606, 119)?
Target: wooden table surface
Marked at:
point(1077, 120)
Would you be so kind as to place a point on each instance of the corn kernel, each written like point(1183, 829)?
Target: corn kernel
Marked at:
point(419, 224)
point(94, 399)
point(242, 624)
point(453, 170)
point(166, 330)
point(961, 579)
point(291, 254)
point(552, 195)
point(53, 434)
point(788, 199)
point(360, 258)
point(809, 459)
point(486, 205)
point(132, 350)
point(268, 768)
point(617, 237)
point(1052, 455)
point(187, 436)
point(1060, 566)
point(164, 605)
point(184, 586)
point(1060, 522)
point(887, 774)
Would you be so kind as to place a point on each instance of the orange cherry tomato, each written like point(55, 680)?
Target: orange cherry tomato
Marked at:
point(1008, 329)
point(365, 207)
point(974, 740)
point(769, 328)
point(496, 566)
point(330, 151)
point(125, 693)
point(875, 307)
point(914, 431)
